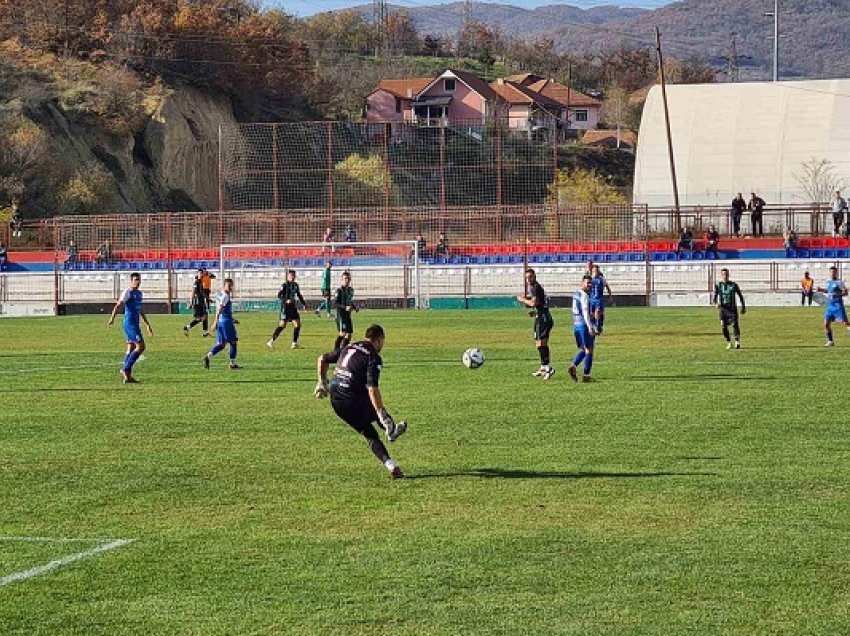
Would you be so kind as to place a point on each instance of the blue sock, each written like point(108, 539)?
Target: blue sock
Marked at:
point(126, 361)
point(579, 357)
point(599, 322)
point(218, 347)
point(588, 363)
point(233, 353)
point(131, 360)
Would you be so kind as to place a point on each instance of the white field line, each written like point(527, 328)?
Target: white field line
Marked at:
point(58, 563)
point(68, 368)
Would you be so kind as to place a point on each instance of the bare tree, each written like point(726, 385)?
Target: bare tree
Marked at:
point(819, 181)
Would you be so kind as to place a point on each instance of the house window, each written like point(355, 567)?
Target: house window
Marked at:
point(398, 104)
point(449, 85)
point(580, 115)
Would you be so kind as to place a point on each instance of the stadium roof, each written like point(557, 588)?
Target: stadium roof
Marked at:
point(741, 137)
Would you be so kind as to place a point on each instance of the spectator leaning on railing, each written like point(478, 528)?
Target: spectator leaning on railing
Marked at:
point(71, 253)
point(756, 208)
point(4, 256)
point(839, 209)
point(738, 207)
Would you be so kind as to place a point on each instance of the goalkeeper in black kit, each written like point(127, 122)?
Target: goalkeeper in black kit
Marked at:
point(355, 396)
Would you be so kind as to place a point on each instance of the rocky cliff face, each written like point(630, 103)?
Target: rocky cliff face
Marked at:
point(171, 164)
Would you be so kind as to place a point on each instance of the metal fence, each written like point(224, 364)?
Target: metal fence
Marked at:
point(50, 290)
point(336, 165)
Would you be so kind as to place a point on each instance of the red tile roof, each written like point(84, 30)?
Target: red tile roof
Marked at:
point(400, 87)
point(475, 83)
point(515, 93)
point(560, 93)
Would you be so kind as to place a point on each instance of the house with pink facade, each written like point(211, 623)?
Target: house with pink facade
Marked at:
point(434, 101)
point(583, 111)
point(540, 106)
point(540, 116)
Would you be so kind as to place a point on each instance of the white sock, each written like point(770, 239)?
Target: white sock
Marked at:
point(390, 464)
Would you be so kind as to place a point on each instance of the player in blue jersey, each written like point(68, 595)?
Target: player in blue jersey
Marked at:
point(131, 300)
point(224, 325)
point(598, 287)
point(835, 311)
point(584, 330)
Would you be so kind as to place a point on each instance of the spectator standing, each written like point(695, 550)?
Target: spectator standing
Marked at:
point(712, 238)
point(839, 209)
point(756, 208)
point(349, 234)
point(71, 253)
point(328, 236)
point(16, 224)
point(686, 240)
point(807, 285)
point(4, 256)
point(103, 254)
point(844, 232)
point(738, 207)
point(421, 245)
point(442, 246)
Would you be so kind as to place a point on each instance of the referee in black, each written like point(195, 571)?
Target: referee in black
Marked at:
point(355, 396)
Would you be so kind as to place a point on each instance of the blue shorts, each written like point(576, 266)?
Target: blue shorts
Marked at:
point(835, 313)
point(597, 305)
point(226, 332)
point(133, 333)
point(584, 339)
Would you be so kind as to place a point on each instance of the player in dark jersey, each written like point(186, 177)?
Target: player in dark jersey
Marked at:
point(355, 396)
point(199, 305)
point(288, 294)
point(538, 304)
point(725, 293)
point(344, 303)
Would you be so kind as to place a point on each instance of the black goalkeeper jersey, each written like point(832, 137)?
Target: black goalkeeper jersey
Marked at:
point(290, 292)
point(358, 366)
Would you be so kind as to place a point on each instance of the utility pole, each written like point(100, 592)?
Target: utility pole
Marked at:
point(735, 69)
point(379, 17)
point(775, 16)
point(661, 77)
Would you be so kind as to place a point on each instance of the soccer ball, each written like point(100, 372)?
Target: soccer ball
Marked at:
point(473, 358)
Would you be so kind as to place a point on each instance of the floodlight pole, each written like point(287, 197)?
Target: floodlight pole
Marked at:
point(775, 16)
point(669, 133)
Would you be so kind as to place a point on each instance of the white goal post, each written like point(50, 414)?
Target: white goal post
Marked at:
point(383, 273)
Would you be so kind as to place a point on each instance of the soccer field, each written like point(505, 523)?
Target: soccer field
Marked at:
point(690, 490)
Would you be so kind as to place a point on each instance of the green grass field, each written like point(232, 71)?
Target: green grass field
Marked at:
point(691, 490)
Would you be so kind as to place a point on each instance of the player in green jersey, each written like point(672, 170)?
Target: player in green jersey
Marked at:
point(344, 302)
point(725, 293)
point(326, 291)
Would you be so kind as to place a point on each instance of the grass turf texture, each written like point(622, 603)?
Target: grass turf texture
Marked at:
point(691, 490)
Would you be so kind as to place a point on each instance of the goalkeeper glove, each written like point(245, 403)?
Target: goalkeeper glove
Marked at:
point(321, 390)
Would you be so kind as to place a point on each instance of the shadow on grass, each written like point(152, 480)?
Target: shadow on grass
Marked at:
point(698, 377)
point(507, 473)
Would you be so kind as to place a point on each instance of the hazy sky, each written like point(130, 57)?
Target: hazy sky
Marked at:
point(308, 7)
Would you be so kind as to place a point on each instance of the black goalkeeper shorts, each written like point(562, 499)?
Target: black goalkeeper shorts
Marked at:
point(728, 316)
point(359, 414)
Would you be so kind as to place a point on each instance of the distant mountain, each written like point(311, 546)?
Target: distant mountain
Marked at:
point(815, 33)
